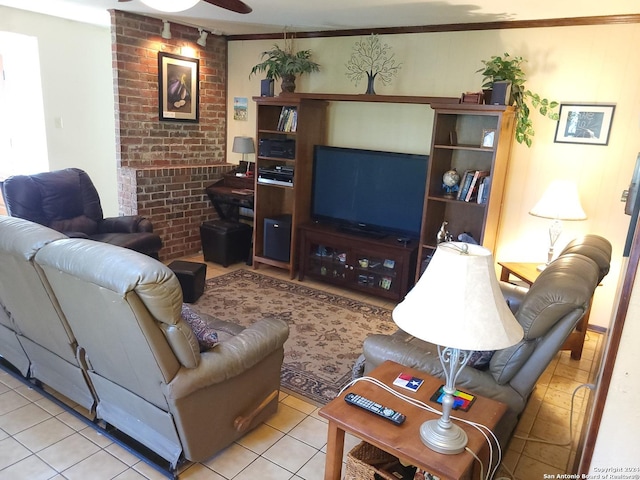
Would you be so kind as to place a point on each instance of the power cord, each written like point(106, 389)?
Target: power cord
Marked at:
point(590, 386)
point(483, 429)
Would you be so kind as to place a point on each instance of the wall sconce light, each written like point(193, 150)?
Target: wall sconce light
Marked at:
point(166, 30)
point(202, 41)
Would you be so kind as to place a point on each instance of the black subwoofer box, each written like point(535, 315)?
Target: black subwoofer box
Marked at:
point(277, 238)
point(191, 276)
point(225, 241)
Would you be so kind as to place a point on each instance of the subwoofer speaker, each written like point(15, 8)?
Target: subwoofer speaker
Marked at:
point(277, 238)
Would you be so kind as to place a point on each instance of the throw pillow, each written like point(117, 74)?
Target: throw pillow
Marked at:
point(480, 360)
point(207, 337)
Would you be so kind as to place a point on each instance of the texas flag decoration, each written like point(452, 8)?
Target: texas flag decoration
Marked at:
point(405, 380)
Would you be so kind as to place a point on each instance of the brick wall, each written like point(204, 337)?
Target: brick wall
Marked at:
point(164, 167)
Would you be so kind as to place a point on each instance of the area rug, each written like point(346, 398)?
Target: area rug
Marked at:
point(326, 331)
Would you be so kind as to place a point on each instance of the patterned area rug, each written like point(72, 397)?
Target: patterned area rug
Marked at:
point(326, 330)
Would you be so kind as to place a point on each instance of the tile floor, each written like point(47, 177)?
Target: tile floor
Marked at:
point(39, 440)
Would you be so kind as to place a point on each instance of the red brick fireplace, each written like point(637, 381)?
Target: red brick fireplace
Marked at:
point(164, 167)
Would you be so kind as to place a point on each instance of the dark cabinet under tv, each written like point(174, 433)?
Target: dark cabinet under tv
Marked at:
point(379, 266)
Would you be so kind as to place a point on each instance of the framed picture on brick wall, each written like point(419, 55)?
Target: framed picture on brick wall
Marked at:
point(178, 88)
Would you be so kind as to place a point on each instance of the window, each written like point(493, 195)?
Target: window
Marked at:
point(23, 142)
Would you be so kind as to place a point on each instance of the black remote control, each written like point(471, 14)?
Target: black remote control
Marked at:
point(373, 407)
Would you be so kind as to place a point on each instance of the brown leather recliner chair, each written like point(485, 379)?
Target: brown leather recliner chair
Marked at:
point(67, 201)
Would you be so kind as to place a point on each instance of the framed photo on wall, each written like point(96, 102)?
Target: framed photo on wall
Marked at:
point(178, 79)
point(587, 124)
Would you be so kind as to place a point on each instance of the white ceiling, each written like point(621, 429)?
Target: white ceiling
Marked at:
point(274, 16)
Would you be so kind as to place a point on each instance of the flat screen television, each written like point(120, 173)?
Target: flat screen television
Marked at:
point(370, 192)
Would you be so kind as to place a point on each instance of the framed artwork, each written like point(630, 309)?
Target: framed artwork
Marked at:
point(178, 79)
point(240, 108)
point(488, 137)
point(587, 124)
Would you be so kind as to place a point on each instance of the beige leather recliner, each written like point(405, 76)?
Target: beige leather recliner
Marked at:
point(35, 336)
point(142, 360)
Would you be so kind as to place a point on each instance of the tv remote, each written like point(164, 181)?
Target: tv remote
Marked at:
point(373, 407)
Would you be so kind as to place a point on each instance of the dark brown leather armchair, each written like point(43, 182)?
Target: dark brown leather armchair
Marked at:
point(67, 201)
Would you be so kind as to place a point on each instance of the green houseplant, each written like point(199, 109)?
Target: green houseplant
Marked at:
point(286, 65)
point(509, 68)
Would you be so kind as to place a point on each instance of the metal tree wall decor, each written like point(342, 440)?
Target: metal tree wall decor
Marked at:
point(373, 58)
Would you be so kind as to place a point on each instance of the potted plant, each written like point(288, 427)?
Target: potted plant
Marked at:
point(286, 65)
point(508, 68)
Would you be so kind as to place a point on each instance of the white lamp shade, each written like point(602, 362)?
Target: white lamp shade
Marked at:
point(458, 303)
point(560, 201)
point(170, 5)
point(243, 145)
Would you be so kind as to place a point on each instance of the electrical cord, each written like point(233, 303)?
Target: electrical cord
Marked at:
point(483, 429)
point(590, 386)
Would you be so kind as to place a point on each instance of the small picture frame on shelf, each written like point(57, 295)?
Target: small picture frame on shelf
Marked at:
point(453, 138)
point(488, 137)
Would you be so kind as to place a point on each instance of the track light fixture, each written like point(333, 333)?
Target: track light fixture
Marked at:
point(202, 41)
point(166, 30)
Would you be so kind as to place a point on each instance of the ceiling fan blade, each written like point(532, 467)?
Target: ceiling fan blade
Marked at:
point(233, 5)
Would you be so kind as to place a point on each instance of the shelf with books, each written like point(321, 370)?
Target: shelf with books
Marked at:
point(286, 130)
point(474, 209)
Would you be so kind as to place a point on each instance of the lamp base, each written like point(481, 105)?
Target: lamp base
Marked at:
point(541, 267)
point(449, 441)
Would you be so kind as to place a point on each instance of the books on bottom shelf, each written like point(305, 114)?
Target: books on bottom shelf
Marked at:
point(470, 185)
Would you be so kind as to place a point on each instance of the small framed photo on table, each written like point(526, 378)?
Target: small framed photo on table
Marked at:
point(178, 79)
point(586, 124)
point(488, 137)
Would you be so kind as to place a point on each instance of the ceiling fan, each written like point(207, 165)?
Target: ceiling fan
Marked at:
point(177, 6)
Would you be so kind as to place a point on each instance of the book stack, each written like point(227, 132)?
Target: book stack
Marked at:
point(474, 186)
point(288, 120)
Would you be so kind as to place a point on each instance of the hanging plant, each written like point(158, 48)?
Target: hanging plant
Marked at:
point(508, 68)
point(374, 59)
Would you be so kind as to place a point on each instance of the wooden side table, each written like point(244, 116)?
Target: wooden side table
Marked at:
point(528, 273)
point(404, 441)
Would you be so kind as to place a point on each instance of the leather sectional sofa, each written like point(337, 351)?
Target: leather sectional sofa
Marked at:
point(103, 325)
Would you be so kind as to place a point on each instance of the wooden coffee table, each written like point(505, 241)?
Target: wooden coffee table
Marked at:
point(404, 441)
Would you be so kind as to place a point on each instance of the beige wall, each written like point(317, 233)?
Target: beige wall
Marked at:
point(77, 83)
point(568, 64)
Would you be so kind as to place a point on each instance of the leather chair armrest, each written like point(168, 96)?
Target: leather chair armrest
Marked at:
point(513, 294)
point(231, 358)
point(125, 224)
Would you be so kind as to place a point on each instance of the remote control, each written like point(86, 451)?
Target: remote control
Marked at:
point(373, 407)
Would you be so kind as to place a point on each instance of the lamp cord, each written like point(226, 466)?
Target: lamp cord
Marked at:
point(483, 429)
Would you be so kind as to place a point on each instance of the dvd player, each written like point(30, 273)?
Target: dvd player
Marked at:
point(277, 175)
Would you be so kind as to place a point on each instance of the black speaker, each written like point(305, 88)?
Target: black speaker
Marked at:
point(277, 238)
point(501, 93)
point(266, 87)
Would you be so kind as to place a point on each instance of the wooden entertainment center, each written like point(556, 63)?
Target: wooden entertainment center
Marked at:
point(385, 267)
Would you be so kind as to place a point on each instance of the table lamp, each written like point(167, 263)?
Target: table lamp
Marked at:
point(560, 201)
point(457, 304)
point(243, 145)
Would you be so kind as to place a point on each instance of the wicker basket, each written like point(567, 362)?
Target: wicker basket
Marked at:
point(363, 460)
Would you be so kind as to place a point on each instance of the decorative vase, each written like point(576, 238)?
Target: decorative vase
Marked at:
point(288, 83)
point(370, 80)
